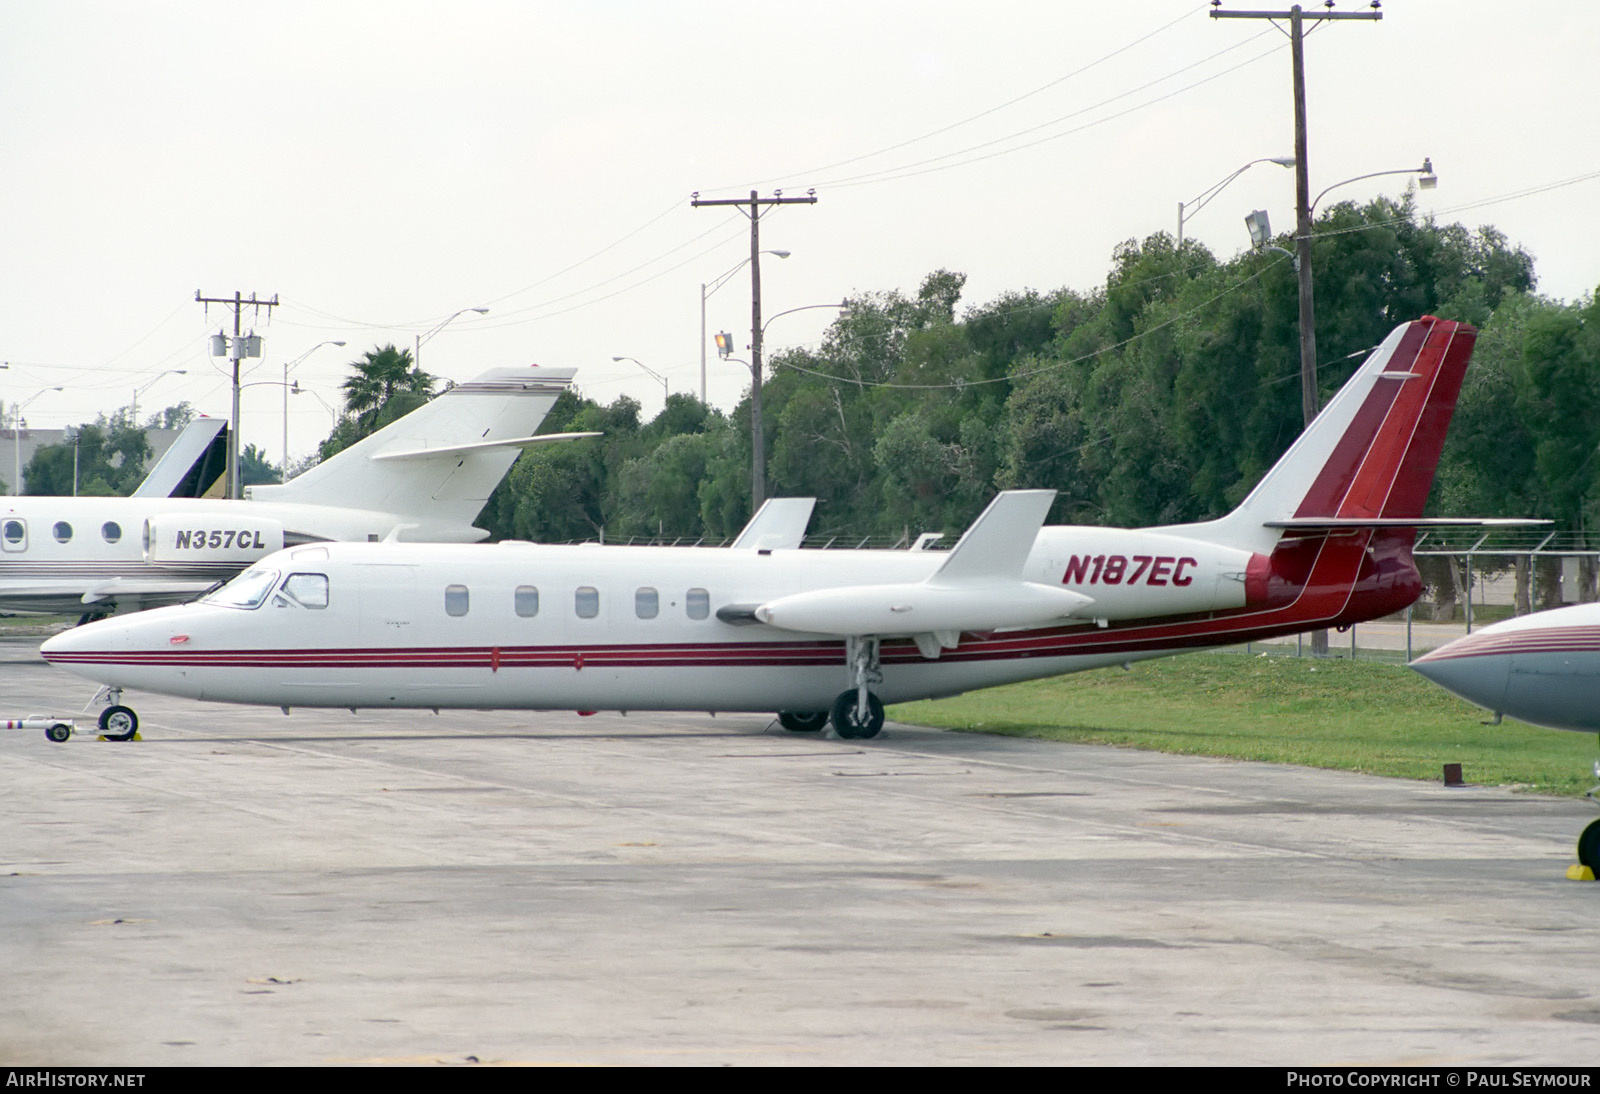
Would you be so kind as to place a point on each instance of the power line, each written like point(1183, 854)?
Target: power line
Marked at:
point(889, 174)
point(974, 117)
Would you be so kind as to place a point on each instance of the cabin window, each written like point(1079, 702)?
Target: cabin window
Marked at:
point(587, 602)
point(646, 603)
point(526, 601)
point(307, 590)
point(455, 600)
point(111, 531)
point(697, 603)
point(14, 535)
point(248, 590)
point(62, 531)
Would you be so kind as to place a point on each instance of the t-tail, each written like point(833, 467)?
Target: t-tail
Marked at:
point(437, 466)
point(1368, 459)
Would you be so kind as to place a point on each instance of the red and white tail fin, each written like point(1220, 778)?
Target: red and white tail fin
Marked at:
point(1369, 458)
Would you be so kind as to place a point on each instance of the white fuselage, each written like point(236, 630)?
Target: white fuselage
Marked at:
point(630, 628)
point(68, 554)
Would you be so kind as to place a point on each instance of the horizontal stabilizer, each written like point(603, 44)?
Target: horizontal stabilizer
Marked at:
point(1319, 523)
point(779, 523)
point(999, 541)
point(479, 446)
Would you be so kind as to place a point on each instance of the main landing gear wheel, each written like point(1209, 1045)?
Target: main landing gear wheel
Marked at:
point(1589, 847)
point(803, 723)
point(847, 722)
point(118, 723)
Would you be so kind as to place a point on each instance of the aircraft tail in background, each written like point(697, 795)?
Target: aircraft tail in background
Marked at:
point(420, 467)
point(194, 466)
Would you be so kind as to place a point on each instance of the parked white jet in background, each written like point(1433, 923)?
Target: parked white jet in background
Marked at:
point(1324, 540)
point(1542, 668)
point(422, 478)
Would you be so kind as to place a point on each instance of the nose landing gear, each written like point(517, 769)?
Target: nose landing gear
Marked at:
point(1589, 840)
point(117, 722)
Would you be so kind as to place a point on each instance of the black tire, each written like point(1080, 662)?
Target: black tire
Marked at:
point(808, 722)
point(118, 724)
point(845, 722)
point(1589, 847)
point(58, 732)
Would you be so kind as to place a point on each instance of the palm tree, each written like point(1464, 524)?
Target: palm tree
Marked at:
point(379, 374)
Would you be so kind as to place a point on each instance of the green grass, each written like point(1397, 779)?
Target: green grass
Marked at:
point(32, 626)
point(1376, 718)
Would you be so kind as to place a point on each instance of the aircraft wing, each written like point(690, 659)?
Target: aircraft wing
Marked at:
point(1321, 523)
point(60, 598)
point(479, 446)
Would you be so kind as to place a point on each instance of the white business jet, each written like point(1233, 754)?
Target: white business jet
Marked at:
point(1323, 541)
point(422, 478)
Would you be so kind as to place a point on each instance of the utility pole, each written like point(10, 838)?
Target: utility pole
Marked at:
point(237, 348)
point(1302, 206)
point(1302, 183)
point(758, 456)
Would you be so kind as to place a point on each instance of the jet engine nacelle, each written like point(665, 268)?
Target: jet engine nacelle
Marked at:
point(921, 608)
point(173, 539)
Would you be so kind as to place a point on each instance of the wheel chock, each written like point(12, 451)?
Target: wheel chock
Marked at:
point(137, 736)
point(1579, 873)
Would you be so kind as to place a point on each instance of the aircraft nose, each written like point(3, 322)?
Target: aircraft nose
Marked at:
point(1480, 678)
point(64, 644)
point(91, 642)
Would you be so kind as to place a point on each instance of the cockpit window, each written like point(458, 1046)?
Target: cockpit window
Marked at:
point(248, 590)
point(306, 590)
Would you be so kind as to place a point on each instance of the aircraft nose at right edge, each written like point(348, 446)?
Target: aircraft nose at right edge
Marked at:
point(1479, 677)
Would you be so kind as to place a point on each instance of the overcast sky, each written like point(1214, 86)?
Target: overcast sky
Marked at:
point(380, 166)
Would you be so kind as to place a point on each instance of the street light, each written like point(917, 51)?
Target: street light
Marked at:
point(416, 357)
point(652, 372)
point(283, 472)
point(843, 307)
point(1260, 228)
point(1200, 202)
point(1308, 325)
point(1427, 180)
point(133, 413)
point(333, 415)
point(16, 434)
point(705, 291)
